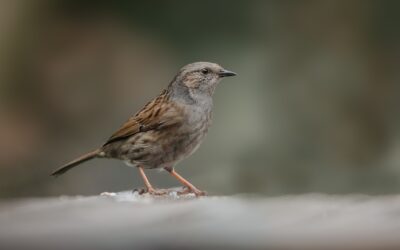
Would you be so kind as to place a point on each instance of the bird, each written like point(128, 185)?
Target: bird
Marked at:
point(167, 129)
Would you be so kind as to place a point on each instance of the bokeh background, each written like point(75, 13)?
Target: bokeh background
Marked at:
point(315, 107)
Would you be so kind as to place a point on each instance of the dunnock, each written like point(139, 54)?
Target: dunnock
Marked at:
point(167, 129)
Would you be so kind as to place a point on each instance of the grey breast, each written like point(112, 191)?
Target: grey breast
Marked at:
point(173, 144)
point(199, 120)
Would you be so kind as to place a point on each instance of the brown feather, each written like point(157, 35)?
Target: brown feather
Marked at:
point(76, 162)
point(149, 118)
point(167, 129)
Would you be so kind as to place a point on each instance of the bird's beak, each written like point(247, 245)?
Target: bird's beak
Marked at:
point(225, 73)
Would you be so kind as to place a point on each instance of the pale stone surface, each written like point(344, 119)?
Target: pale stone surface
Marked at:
point(127, 220)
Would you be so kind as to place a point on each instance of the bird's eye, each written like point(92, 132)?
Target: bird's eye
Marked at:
point(205, 71)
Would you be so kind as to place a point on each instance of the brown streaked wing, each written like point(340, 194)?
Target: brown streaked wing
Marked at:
point(157, 114)
point(130, 127)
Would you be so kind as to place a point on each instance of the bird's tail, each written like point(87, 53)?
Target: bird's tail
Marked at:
point(76, 162)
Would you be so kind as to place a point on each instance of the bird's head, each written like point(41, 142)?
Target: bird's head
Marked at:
point(200, 78)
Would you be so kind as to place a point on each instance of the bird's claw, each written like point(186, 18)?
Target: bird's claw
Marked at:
point(197, 192)
point(154, 191)
point(200, 192)
point(157, 192)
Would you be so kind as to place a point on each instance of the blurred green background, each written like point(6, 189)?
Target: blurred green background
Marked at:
point(315, 107)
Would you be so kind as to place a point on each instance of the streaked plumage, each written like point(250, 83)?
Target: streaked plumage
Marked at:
point(170, 127)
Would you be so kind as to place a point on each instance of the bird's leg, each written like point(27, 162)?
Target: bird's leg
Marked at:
point(148, 185)
point(186, 183)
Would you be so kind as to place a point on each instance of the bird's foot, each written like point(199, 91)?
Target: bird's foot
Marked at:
point(197, 192)
point(157, 191)
point(160, 191)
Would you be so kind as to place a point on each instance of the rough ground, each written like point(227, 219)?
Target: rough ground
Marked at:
point(127, 220)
